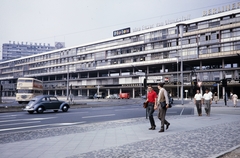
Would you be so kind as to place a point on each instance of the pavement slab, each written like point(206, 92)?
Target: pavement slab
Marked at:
point(188, 136)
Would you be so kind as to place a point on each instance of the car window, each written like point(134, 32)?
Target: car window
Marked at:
point(45, 99)
point(53, 99)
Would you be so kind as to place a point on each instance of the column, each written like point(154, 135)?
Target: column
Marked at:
point(133, 92)
point(87, 92)
point(163, 68)
point(62, 92)
point(108, 91)
point(120, 90)
point(55, 92)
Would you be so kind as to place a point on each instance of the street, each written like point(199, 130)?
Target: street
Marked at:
point(126, 109)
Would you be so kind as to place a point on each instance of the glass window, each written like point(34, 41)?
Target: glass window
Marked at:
point(227, 66)
point(226, 47)
point(226, 34)
point(203, 50)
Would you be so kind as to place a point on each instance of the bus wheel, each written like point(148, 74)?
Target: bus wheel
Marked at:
point(30, 112)
point(19, 102)
point(65, 108)
point(40, 110)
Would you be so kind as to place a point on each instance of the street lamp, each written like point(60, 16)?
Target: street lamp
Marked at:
point(177, 56)
point(180, 32)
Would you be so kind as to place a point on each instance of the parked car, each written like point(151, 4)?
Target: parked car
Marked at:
point(116, 96)
point(42, 103)
point(110, 97)
point(124, 95)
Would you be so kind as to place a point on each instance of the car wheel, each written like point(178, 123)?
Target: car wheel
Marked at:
point(30, 112)
point(40, 110)
point(55, 110)
point(19, 102)
point(65, 108)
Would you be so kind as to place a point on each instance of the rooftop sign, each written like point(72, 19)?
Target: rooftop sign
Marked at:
point(221, 9)
point(121, 32)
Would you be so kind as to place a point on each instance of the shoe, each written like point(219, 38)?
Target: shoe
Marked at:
point(152, 128)
point(162, 130)
point(167, 126)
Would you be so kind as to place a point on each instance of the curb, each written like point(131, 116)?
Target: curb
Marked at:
point(225, 152)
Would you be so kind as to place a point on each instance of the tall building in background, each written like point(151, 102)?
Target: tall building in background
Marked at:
point(13, 50)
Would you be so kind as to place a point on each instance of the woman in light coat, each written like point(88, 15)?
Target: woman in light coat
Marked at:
point(234, 99)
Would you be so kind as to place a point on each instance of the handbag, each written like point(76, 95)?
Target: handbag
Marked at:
point(163, 104)
point(145, 105)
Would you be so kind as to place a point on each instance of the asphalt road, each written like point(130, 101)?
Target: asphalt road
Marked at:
point(22, 121)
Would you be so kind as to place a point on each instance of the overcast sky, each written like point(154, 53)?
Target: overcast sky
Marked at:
point(81, 21)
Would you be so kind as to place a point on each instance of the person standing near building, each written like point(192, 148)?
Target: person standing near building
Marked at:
point(162, 99)
point(152, 101)
point(231, 94)
point(207, 99)
point(235, 99)
point(198, 102)
point(216, 97)
point(210, 93)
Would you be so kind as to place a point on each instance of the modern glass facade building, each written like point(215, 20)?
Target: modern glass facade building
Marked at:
point(210, 52)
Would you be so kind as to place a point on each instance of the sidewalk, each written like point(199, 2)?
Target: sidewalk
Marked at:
point(187, 137)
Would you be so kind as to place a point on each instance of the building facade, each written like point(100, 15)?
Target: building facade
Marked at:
point(14, 50)
point(209, 50)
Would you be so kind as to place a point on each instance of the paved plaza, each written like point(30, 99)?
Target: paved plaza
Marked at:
point(187, 137)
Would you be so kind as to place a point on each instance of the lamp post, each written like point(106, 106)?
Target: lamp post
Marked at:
point(145, 84)
point(180, 32)
point(67, 81)
point(177, 56)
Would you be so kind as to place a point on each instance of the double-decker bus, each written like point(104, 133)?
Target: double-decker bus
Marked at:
point(27, 88)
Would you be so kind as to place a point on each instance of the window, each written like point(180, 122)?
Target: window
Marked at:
point(226, 47)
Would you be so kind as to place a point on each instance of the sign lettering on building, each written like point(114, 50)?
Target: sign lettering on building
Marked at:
point(221, 9)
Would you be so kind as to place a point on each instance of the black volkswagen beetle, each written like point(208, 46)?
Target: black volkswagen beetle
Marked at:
point(46, 102)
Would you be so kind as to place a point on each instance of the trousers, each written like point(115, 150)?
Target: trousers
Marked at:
point(150, 110)
point(161, 116)
point(199, 106)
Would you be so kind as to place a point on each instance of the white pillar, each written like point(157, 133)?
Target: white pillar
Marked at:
point(133, 90)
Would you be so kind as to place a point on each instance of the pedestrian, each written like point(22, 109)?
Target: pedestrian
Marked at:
point(216, 97)
point(198, 102)
point(152, 101)
point(207, 99)
point(235, 99)
point(225, 98)
point(231, 94)
point(210, 93)
point(162, 100)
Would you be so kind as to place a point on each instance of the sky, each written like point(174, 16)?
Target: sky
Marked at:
point(78, 22)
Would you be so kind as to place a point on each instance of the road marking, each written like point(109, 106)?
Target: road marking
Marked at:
point(181, 111)
point(20, 123)
point(9, 116)
point(172, 112)
point(32, 119)
point(67, 124)
point(9, 129)
point(57, 124)
point(128, 109)
point(98, 116)
point(71, 113)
